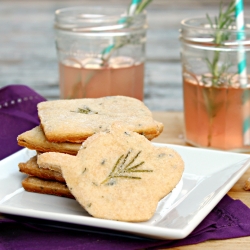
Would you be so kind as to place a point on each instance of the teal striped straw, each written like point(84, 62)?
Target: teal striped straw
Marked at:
point(135, 7)
point(242, 63)
point(242, 68)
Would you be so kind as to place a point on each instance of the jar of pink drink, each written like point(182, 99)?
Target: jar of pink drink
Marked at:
point(101, 52)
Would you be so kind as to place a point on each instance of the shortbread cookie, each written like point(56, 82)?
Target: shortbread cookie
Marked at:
point(120, 175)
point(36, 185)
point(51, 161)
point(31, 168)
point(75, 120)
point(35, 139)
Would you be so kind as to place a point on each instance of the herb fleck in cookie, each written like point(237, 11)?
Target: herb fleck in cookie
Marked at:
point(76, 120)
point(119, 174)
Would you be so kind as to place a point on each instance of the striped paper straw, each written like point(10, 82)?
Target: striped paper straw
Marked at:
point(242, 64)
point(131, 11)
point(133, 6)
point(242, 68)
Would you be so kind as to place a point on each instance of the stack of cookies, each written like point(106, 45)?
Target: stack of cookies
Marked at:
point(98, 151)
point(66, 124)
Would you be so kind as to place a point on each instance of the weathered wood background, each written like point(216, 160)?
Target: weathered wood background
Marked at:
point(28, 55)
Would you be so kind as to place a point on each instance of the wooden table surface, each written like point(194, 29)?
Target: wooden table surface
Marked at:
point(173, 134)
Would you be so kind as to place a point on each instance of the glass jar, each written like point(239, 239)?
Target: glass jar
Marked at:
point(216, 96)
point(101, 51)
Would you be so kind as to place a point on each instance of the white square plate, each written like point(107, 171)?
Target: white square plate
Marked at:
point(208, 176)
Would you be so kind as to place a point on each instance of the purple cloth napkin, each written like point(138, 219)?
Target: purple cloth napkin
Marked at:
point(18, 113)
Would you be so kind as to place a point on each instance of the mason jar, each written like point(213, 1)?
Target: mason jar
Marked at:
point(216, 93)
point(101, 51)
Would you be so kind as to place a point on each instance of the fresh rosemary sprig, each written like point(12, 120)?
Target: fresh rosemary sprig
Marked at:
point(123, 168)
point(220, 25)
point(142, 6)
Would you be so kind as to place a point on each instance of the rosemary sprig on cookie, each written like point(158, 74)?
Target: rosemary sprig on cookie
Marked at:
point(122, 170)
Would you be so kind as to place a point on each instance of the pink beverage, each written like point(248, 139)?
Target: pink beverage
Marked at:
point(214, 116)
point(88, 79)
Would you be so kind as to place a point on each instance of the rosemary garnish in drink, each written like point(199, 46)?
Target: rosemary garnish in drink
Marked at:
point(123, 168)
point(217, 67)
point(220, 25)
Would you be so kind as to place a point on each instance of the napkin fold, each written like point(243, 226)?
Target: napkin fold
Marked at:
point(18, 113)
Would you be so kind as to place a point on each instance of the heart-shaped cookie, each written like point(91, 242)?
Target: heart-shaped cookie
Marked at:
point(119, 174)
